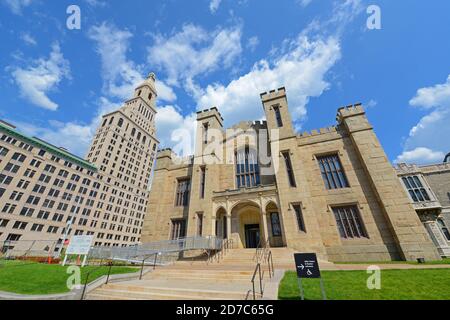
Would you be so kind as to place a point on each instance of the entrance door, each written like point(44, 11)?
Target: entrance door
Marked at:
point(252, 235)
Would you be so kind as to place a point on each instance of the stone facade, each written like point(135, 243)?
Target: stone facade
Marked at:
point(331, 191)
point(48, 194)
point(433, 208)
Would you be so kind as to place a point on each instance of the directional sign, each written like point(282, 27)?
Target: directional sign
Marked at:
point(306, 265)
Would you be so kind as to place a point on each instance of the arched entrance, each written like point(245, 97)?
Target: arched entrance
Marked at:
point(221, 224)
point(246, 225)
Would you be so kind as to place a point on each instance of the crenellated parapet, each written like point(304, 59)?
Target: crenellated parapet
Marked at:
point(273, 94)
point(210, 113)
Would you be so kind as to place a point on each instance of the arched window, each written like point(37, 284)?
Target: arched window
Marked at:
point(144, 140)
point(139, 93)
point(139, 136)
point(120, 124)
point(247, 168)
point(104, 122)
point(150, 96)
point(133, 132)
point(111, 120)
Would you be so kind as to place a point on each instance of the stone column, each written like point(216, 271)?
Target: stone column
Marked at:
point(264, 225)
point(228, 226)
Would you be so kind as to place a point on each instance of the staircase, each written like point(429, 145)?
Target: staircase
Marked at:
point(228, 279)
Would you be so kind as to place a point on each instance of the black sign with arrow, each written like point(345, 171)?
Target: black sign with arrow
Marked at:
point(307, 265)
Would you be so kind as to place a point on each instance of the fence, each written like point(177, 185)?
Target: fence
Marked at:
point(166, 250)
point(28, 249)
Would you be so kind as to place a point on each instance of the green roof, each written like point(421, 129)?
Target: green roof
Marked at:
point(48, 147)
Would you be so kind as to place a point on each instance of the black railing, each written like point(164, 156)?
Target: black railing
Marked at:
point(86, 282)
point(260, 276)
point(145, 259)
point(270, 264)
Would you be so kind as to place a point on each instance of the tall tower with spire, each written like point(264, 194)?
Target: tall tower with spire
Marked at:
point(124, 149)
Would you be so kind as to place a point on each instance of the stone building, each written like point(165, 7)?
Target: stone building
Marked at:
point(331, 191)
point(428, 188)
point(47, 193)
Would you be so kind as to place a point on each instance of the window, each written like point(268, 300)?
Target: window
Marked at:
point(178, 229)
point(415, 189)
point(120, 123)
point(276, 226)
point(247, 168)
point(41, 153)
point(199, 224)
point(205, 132)
point(37, 227)
point(182, 196)
point(299, 217)
point(444, 229)
point(349, 222)
point(3, 151)
point(20, 225)
point(5, 179)
point(3, 223)
point(12, 168)
point(276, 109)
point(332, 173)
point(202, 182)
point(290, 172)
point(18, 157)
point(2, 191)
point(13, 237)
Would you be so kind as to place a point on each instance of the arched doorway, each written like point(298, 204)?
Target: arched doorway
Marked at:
point(221, 224)
point(246, 228)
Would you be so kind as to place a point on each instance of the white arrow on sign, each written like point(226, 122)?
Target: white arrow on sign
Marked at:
point(301, 266)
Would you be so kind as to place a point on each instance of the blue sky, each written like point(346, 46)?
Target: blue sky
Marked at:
point(55, 82)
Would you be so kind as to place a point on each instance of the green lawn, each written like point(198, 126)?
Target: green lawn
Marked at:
point(32, 278)
point(423, 284)
point(443, 261)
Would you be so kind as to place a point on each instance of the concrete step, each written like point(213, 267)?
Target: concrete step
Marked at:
point(196, 293)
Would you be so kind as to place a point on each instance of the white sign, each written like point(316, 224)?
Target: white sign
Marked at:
point(80, 245)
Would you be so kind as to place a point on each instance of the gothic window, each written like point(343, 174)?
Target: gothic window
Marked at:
point(276, 226)
point(182, 194)
point(149, 96)
point(444, 229)
point(416, 189)
point(276, 109)
point(205, 132)
point(299, 217)
point(247, 168)
point(290, 171)
point(332, 172)
point(202, 182)
point(133, 132)
point(120, 124)
point(178, 229)
point(349, 222)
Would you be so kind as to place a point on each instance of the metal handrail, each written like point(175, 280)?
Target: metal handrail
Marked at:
point(89, 274)
point(143, 263)
point(257, 269)
point(270, 264)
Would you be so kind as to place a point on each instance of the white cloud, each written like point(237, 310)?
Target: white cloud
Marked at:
point(74, 136)
point(214, 5)
point(176, 130)
point(420, 155)
point(96, 3)
point(194, 51)
point(432, 130)
point(252, 43)
point(304, 3)
point(16, 6)
point(28, 39)
point(121, 75)
point(301, 69)
point(42, 77)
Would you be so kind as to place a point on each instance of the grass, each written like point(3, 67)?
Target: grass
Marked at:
point(412, 284)
point(436, 262)
point(35, 279)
